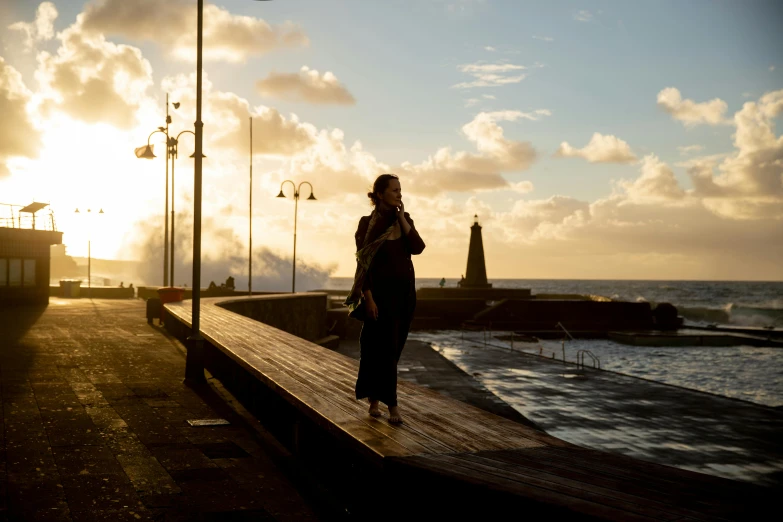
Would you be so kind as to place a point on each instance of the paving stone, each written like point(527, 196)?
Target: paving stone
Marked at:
point(84, 460)
point(94, 428)
point(147, 475)
point(180, 457)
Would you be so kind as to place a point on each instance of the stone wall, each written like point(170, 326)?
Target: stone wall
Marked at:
point(300, 314)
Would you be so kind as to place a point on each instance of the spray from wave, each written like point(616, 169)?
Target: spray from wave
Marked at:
point(223, 255)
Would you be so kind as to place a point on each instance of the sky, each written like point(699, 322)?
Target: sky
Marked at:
point(593, 139)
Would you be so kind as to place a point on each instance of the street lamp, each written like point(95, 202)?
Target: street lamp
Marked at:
point(173, 153)
point(194, 362)
point(146, 152)
point(296, 208)
point(89, 253)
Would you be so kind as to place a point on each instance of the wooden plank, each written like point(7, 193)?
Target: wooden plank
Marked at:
point(687, 491)
point(659, 506)
point(443, 466)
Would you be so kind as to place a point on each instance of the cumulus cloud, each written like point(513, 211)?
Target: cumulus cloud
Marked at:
point(307, 86)
point(600, 149)
point(464, 171)
point(490, 48)
point(227, 37)
point(93, 80)
point(692, 113)
point(749, 183)
point(656, 184)
point(41, 29)
point(18, 135)
point(228, 114)
point(490, 74)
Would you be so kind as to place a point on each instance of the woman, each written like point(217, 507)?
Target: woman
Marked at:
point(385, 286)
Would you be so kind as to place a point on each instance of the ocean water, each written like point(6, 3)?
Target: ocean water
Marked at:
point(748, 373)
point(738, 303)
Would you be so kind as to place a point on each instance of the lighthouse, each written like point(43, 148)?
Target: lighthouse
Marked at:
point(476, 273)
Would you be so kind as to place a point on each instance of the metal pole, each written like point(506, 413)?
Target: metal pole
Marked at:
point(166, 211)
point(171, 250)
point(250, 219)
point(296, 209)
point(89, 268)
point(194, 363)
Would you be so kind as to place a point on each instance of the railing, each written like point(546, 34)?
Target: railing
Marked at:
point(580, 359)
point(11, 217)
point(571, 337)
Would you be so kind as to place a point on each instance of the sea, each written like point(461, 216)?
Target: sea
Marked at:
point(748, 373)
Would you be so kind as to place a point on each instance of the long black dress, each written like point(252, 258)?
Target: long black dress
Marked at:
point(392, 281)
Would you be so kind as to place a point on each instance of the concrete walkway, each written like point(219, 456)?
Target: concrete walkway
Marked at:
point(623, 414)
point(95, 427)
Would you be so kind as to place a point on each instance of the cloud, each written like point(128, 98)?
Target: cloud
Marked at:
point(749, 184)
point(171, 24)
point(771, 68)
point(228, 114)
point(464, 171)
point(601, 149)
point(490, 48)
point(522, 187)
point(690, 112)
point(684, 151)
point(93, 80)
point(712, 159)
point(18, 135)
point(470, 102)
point(656, 184)
point(583, 16)
point(544, 38)
point(41, 29)
point(490, 74)
point(489, 96)
point(305, 86)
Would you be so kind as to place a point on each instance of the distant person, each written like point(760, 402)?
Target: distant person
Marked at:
point(130, 286)
point(442, 282)
point(384, 293)
point(461, 280)
point(122, 285)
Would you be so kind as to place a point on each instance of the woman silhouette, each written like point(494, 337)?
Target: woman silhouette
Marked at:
point(385, 283)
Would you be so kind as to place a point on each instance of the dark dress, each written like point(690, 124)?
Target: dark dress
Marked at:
point(392, 281)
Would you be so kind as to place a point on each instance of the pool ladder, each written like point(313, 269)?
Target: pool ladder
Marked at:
point(580, 355)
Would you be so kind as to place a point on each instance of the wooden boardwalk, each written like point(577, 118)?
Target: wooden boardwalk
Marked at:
point(447, 447)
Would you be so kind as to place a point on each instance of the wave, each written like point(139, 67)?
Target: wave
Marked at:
point(736, 314)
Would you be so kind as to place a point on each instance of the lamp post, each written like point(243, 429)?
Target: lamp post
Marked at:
point(89, 253)
point(194, 362)
point(296, 209)
point(145, 152)
point(250, 220)
point(173, 153)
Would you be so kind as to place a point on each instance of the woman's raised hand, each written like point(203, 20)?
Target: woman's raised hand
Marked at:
point(401, 210)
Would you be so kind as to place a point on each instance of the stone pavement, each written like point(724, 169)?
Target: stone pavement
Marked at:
point(94, 414)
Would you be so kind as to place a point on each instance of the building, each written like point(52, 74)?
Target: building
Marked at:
point(476, 274)
point(25, 241)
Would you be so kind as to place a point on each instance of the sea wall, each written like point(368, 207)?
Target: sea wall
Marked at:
point(301, 314)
